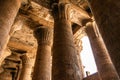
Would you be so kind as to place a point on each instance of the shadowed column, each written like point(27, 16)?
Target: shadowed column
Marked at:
point(42, 69)
point(27, 64)
point(107, 16)
point(64, 62)
point(8, 11)
point(104, 64)
point(18, 23)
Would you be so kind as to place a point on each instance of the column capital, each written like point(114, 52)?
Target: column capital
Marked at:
point(92, 30)
point(89, 23)
point(44, 35)
point(61, 11)
point(27, 60)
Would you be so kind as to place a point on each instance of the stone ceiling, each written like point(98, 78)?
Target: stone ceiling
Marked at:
point(39, 11)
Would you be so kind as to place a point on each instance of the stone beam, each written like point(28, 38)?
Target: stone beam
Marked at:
point(79, 16)
point(20, 46)
point(42, 15)
point(38, 14)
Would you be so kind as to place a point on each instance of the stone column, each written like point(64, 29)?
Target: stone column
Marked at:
point(107, 18)
point(104, 64)
point(18, 23)
point(64, 62)
point(8, 11)
point(27, 64)
point(42, 69)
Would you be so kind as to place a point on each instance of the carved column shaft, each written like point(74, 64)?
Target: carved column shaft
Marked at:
point(27, 64)
point(102, 59)
point(8, 11)
point(108, 20)
point(42, 69)
point(64, 62)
